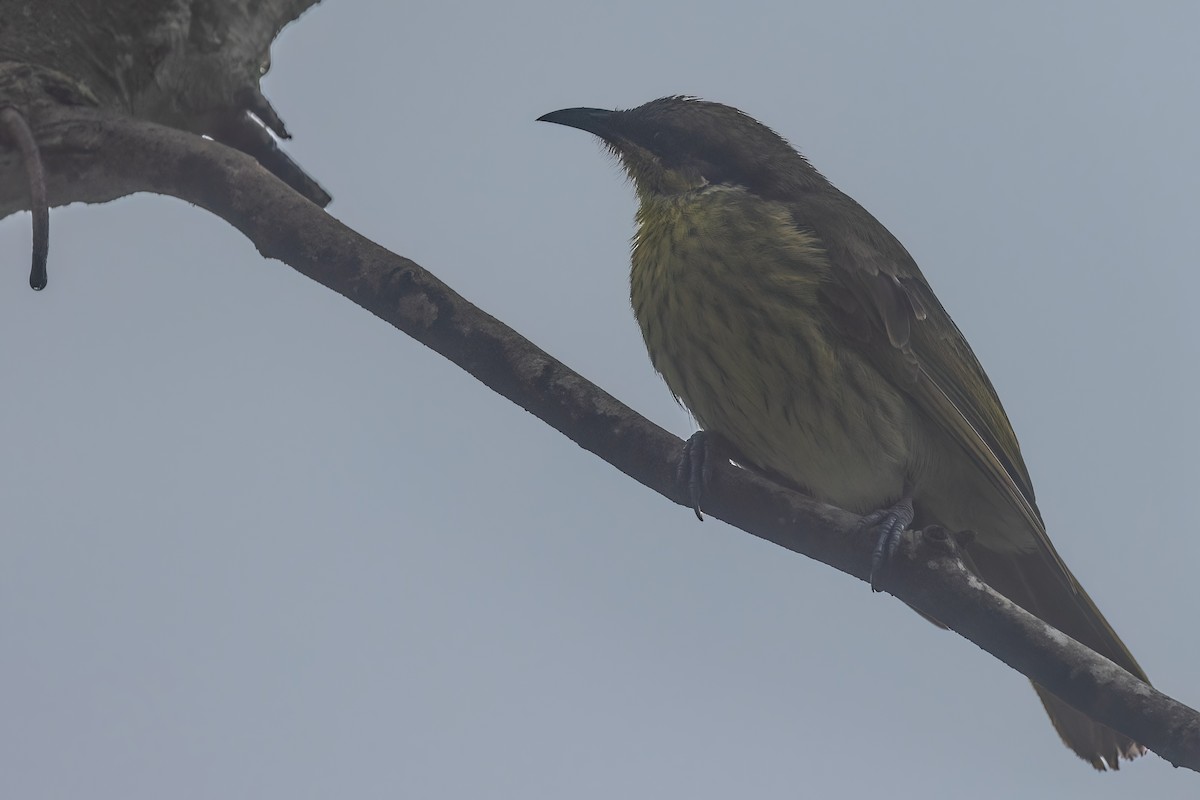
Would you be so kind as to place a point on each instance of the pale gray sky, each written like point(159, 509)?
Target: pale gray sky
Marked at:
point(258, 544)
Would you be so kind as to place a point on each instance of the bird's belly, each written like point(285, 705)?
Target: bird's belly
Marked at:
point(839, 432)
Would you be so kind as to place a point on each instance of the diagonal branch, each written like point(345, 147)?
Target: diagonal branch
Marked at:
point(126, 155)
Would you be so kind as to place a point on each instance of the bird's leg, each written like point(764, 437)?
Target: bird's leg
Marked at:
point(891, 523)
point(694, 468)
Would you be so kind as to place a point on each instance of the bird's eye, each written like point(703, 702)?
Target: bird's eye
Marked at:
point(663, 142)
point(669, 146)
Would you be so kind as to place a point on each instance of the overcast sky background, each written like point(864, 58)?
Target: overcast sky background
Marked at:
point(258, 544)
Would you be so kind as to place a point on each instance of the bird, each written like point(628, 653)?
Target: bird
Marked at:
point(801, 335)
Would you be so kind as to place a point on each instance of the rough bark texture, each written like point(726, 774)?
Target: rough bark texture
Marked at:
point(189, 64)
point(112, 106)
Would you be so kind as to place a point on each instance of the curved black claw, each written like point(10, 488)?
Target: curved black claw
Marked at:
point(891, 522)
point(695, 467)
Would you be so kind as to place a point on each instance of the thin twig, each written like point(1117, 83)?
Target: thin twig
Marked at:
point(17, 129)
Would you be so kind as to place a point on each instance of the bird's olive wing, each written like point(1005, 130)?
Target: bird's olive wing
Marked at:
point(882, 303)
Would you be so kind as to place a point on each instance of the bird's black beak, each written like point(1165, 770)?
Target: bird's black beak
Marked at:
point(593, 120)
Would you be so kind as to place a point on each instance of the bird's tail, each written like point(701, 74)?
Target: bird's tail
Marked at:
point(1038, 585)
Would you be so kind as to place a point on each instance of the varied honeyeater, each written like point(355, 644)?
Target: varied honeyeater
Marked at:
point(795, 327)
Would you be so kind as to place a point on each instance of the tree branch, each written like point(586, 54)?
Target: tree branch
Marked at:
point(195, 65)
point(126, 156)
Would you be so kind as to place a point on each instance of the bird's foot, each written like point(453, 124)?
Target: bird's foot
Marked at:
point(694, 468)
point(891, 523)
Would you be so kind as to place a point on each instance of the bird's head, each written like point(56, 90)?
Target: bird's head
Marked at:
point(680, 144)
